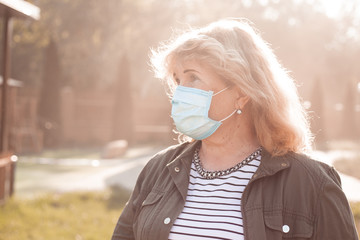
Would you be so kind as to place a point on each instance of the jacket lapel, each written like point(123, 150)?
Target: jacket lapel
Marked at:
point(179, 168)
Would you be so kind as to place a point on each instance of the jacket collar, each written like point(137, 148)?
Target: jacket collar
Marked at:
point(182, 163)
point(271, 165)
point(186, 154)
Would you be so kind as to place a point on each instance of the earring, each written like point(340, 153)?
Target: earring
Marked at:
point(238, 111)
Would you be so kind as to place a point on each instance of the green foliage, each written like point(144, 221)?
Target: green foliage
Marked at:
point(92, 35)
point(88, 215)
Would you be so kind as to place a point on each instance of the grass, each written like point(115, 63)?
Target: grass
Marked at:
point(70, 216)
point(355, 207)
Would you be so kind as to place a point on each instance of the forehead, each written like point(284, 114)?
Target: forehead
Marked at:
point(184, 66)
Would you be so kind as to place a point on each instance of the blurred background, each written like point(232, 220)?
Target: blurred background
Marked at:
point(84, 112)
point(82, 76)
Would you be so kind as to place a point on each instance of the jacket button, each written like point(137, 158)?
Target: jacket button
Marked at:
point(167, 220)
point(177, 169)
point(286, 228)
point(284, 164)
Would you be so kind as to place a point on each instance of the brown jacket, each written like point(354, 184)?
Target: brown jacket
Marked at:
point(291, 190)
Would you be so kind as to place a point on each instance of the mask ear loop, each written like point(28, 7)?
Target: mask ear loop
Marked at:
point(238, 111)
point(220, 91)
point(229, 115)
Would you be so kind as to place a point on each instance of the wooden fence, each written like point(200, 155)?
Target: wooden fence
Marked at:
point(88, 117)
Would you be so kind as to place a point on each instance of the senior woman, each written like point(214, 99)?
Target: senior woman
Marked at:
point(244, 173)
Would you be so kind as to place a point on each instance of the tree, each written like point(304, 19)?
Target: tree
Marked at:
point(349, 128)
point(317, 111)
point(49, 100)
point(123, 120)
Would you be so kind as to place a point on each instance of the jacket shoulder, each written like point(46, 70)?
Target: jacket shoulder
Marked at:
point(165, 156)
point(313, 169)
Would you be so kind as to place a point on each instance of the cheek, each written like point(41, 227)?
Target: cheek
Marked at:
point(221, 107)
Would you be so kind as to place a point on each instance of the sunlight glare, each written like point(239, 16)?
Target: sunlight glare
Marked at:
point(332, 7)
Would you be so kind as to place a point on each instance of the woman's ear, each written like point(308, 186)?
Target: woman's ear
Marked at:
point(242, 101)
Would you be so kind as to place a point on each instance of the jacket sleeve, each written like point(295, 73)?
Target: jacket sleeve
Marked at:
point(334, 219)
point(124, 227)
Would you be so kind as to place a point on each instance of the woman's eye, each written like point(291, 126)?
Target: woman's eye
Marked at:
point(193, 77)
point(187, 80)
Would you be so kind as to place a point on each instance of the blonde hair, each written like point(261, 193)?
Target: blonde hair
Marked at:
point(241, 57)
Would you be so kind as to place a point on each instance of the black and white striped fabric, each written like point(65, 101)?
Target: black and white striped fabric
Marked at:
point(213, 207)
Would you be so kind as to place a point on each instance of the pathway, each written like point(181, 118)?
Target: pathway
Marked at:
point(63, 175)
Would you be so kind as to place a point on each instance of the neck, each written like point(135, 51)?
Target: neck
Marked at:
point(225, 151)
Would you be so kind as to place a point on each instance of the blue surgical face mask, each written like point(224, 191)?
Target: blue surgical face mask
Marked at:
point(190, 110)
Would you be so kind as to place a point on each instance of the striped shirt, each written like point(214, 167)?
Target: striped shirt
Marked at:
point(213, 207)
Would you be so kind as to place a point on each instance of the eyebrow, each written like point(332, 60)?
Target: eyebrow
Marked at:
point(190, 70)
